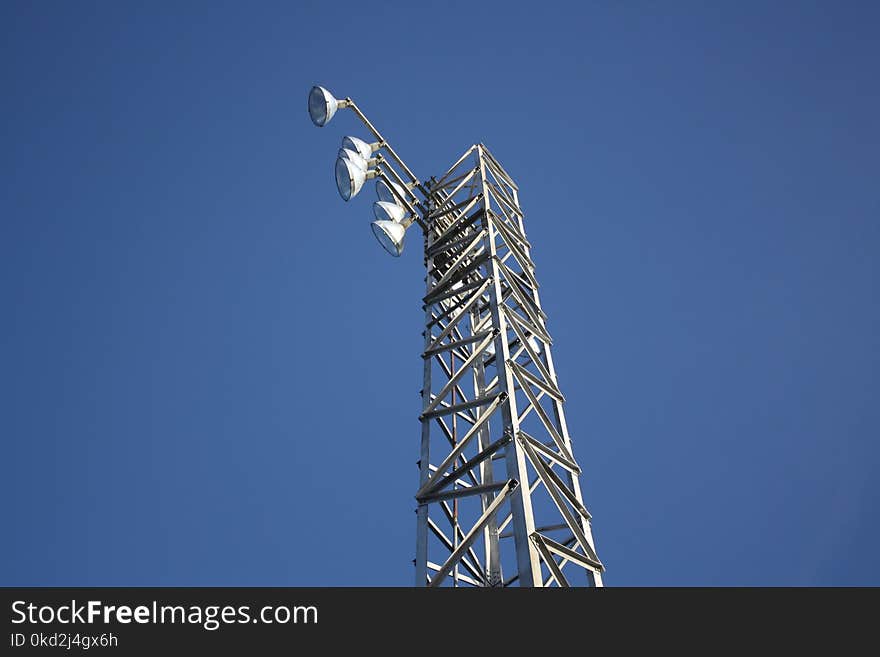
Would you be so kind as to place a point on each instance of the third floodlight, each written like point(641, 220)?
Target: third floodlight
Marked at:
point(350, 177)
point(355, 157)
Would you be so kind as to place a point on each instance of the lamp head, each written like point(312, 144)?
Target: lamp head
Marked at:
point(385, 211)
point(353, 156)
point(390, 235)
point(322, 106)
point(383, 191)
point(349, 178)
point(358, 146)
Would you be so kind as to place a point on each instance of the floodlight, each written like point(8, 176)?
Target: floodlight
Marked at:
point(350, 177)
point(355, 157)
point(360, 146)
point(385, 211)
point(322, 106)
point(390, 235)
point(383, 191)
point(352, 157)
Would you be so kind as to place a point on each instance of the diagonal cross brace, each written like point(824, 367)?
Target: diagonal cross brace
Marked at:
point(472, 535)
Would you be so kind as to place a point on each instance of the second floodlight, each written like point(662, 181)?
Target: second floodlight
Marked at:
point(359, 146)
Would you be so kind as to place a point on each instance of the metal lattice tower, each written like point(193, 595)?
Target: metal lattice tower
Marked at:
point(499, 497)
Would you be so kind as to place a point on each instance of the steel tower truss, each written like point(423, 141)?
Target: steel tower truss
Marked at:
point(499, 498)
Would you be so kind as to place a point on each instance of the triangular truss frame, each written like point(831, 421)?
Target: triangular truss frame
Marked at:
point(499, 497)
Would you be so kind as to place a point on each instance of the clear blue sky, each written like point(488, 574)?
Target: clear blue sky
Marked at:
point(210, 369)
